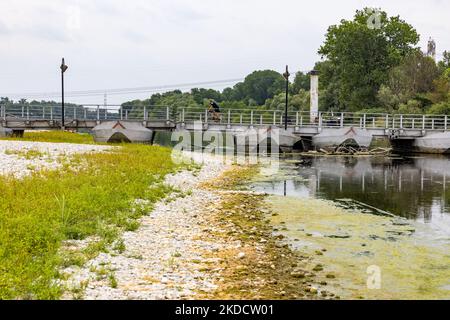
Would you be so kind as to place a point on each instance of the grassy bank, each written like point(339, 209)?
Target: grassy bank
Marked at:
point(54, 136)
point(92, 195)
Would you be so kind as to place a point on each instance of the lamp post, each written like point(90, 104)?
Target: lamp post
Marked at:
point(286, 76)
point(63, 69)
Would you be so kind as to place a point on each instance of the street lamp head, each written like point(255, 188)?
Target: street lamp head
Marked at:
point(63, 66)
point(286, 74)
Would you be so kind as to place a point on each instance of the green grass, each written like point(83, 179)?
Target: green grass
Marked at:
point(26, 154)
point(54, 136)
point(39, 212)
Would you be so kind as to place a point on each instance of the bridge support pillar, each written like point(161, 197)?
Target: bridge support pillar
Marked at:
point(18, 133)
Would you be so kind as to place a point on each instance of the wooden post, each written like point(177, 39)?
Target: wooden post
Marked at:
point(229, 117)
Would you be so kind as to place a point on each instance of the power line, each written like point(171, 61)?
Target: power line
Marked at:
point(124, 91)
point(98, 92)
point(81, 93)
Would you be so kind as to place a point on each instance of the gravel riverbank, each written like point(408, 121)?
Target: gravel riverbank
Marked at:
point(164, 258)
point(20, 158)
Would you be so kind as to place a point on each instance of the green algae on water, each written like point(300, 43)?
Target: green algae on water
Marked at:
point(412, 264)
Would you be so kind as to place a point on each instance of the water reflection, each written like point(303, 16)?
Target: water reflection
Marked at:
point(412, 187)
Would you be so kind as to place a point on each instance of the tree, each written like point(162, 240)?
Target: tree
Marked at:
point(441, 90)
point(411, 107)
point(329, 96)
point(361, 56)
point(201, 94)
point(389, 100)
point(414, 75)
point(445, 63)
point(440, 108)
point(301, 81)
point(5, 100)
point(260, 86)
point(297, 102)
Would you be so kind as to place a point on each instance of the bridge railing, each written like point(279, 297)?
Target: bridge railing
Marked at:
point(249, 116)
point(382, 121)
point(84, 112)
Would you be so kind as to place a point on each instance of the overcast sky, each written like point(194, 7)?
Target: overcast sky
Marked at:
point(112, 44)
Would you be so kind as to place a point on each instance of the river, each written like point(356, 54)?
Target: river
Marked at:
point(379, 227)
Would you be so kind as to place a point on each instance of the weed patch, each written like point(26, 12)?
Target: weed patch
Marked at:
point(39, 212)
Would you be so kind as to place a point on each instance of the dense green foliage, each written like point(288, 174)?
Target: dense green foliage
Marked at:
point(360, 57)
point(92, 195)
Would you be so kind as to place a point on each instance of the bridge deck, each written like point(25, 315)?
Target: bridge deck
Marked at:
point(22, 117)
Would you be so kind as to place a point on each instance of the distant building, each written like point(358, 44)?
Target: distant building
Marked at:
point(431, 50)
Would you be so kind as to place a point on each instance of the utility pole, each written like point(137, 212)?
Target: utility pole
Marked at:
point(286, 76)
point(63, 69)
